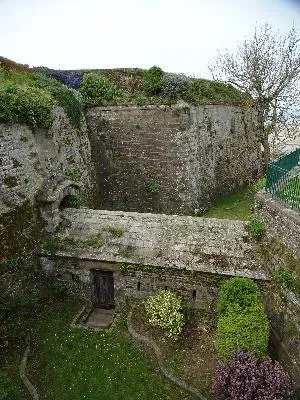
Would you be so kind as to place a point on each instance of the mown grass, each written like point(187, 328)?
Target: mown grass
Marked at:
point(234, 206)
point(70, 363)
point(290, 193)
point(238, 205)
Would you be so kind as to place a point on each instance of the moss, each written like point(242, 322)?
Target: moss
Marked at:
point(94, 242)
point(73, 175)
point(125, 254)
point(51, 245)
point(16, 163)
point(103, 124)
point(209, 124)
point(115, 232)
point(271, 251)
point(23, 233)
point(290, 327)
point(10, 181)
point(24, 139)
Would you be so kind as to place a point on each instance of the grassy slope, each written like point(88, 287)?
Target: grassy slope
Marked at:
point(78, 364)
point(234, 206)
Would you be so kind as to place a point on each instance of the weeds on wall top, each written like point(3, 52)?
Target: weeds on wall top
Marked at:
point(27, 95)
point(256, 228)
point(97, 90)
point(28, 98)
point(288, 279)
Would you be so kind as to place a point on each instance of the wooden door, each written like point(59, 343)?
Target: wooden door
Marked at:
point(103, 289)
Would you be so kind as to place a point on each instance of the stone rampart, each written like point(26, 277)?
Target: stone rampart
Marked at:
point(171, 159)
point(34, 167)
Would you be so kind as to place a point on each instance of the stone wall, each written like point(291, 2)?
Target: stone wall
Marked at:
point(199, 290)
point(148, 252)
point(168, 241)
point(33, 166)
point(280, 220)
point(171, 159)
point(281, 250)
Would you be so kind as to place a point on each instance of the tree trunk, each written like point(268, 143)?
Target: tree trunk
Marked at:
point(263, 132)
point(266, 146)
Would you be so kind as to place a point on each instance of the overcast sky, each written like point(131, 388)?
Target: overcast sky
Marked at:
point(178, 35)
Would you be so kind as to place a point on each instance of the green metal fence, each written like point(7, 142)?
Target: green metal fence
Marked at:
point(283, 179)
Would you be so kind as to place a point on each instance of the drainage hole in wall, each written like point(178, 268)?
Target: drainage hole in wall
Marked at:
point(194, 294)
point(139, 285)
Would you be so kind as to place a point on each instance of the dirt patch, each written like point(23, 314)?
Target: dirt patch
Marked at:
point(191, 358)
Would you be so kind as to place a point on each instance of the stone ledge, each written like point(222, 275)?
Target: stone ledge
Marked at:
point(32, 390)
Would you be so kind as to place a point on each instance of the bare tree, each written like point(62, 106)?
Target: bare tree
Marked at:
point(266, 67)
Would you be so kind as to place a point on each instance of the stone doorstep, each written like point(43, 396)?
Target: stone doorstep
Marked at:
point(100, 318)
point(95, 319)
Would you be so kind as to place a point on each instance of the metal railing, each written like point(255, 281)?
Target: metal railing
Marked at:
point(283, 179)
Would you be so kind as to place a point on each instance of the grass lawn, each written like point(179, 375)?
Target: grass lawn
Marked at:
point(237, 205)
point(69, 363)
point(11, 387)
point(290, 192)
point(191, 358)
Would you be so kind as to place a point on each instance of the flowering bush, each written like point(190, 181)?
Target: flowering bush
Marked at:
point(176, 86)
point(71, 79)
point(244, 379)
point(164, 310)
point(97, 90)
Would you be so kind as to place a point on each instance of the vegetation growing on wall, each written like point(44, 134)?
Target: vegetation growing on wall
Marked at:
point(288, 279)
point(28, 98)
point(97, 90)
point(21, 101)
point(65, 97)
point(28, 95)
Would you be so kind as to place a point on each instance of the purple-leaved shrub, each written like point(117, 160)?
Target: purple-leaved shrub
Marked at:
point(245, 379)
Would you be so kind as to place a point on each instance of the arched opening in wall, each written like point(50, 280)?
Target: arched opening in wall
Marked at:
point(69, 201)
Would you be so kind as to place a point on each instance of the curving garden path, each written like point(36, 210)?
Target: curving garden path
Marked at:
point(151, 343)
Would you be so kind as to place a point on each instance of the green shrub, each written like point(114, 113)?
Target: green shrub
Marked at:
point(66, 98)
point(97, 90)
point(12, 264)
point(19, 78)
point(73, 175)
point(212, 92)
point(287, 279)
point(25, 105)
point(152, 80)
point(238, 293)
point(165, 311)
point(72, 201)
point(247, 330)
point(52, 244)
point(256, 228)
point(151, 187)
point(176, 86)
